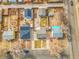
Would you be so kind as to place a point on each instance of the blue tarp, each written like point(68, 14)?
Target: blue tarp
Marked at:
point(12, 0)
point(8, 35)
point(25, 32)
point(57, 32)
point(28, 13)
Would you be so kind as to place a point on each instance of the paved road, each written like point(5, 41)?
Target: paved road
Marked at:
point(42, 54)
point(32, 6)
point(74, 31)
